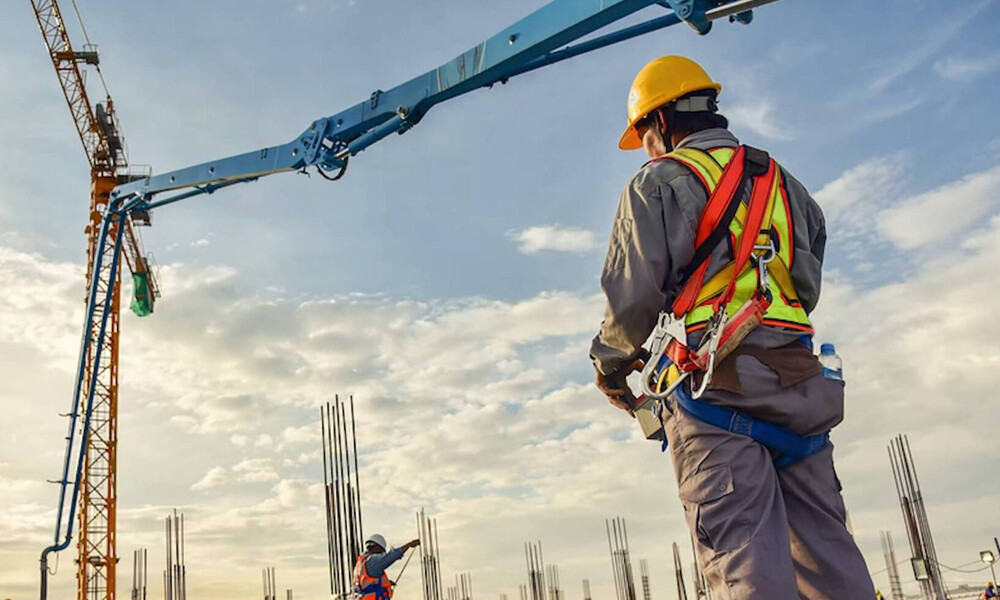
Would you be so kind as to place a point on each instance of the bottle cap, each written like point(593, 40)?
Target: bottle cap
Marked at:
point(827, 349)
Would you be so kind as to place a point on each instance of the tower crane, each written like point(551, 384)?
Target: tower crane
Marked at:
point(551, 34)
point(99, 131)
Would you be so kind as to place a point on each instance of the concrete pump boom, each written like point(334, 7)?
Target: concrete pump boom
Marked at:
point(538, 40)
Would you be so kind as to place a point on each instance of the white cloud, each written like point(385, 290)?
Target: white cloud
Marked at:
point(200, 243)
point(482, 411)
point(759, 116)
point(937, 215)
point(215, 477)
point(853, 201)
point(965, 68)
point(256, 470)
point(299, 436)
point(891, 110)
point(554, 238)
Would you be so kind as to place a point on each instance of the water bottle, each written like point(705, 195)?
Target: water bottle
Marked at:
point(833, 367)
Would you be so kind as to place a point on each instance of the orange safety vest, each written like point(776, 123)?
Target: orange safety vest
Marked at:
point(698, 298)
point(367, 587)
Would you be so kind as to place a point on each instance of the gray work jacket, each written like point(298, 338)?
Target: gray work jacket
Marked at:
point(378, 563)
point(653, 240)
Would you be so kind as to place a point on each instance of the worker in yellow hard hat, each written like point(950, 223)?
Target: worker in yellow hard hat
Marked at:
point(765, 510)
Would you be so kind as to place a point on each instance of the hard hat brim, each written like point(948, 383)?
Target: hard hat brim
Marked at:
point(630, 139)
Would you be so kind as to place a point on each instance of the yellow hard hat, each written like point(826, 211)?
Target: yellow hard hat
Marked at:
point(660, 82)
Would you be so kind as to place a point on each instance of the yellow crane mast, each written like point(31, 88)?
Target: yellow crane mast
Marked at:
point(98, 129)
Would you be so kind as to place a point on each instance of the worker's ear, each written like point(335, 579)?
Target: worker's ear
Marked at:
point(661, 123)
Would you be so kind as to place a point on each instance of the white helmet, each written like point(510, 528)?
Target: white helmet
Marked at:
point(376, 538)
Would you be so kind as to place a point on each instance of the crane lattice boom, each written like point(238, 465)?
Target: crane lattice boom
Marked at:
point(95, 485)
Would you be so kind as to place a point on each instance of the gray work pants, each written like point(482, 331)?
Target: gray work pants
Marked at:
point(764, 533)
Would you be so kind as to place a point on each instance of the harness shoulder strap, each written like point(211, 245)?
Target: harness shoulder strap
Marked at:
point(702, 163)
point(716, 218)
point(777, 268)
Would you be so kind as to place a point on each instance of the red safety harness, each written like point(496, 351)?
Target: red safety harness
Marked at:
point(672, 361)
point(724, 332)
point(367, 586)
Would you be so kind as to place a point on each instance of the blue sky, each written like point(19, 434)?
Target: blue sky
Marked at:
point(450, 280)
point(440, 200)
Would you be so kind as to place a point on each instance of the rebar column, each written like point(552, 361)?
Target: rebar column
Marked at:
point(926, 569)
point(429, 552)
point(679, 574)
point(536, 571)
point(644, 573)
point(175, 572)
point(342, 500)
point(621, 560)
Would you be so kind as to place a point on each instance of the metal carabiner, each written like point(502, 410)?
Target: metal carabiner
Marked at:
point(763, 282)
point(713, 345)
point(661, 339)
point(714, 333)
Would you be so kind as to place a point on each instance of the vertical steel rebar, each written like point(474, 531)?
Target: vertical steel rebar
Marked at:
point(915, 518)
point(168, 573)
point(342, 500)
point(644, 573)
point(326, 500)
point(357, 479)
point(679, 574)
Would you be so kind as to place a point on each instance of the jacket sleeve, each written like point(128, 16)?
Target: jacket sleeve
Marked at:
point(635, 271)
point(378, 563)
point(809, 226)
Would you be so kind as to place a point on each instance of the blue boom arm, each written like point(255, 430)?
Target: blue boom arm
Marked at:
point(538, 40)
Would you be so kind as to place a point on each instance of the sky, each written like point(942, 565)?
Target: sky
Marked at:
point(450, 282)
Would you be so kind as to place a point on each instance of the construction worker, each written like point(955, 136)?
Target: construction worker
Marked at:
point(763, 532)
point(878, 595)
point(370, 580)
point(990, 593)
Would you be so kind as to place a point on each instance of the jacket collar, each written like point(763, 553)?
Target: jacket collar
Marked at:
point(716, 137)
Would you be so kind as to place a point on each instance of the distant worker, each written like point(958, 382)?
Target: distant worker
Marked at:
point(767, 527)
point(370, 580)
point(990, 593)
point(878, 595)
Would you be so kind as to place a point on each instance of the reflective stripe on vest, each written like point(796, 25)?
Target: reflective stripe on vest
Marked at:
point(785, 311)
point(368, 587)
